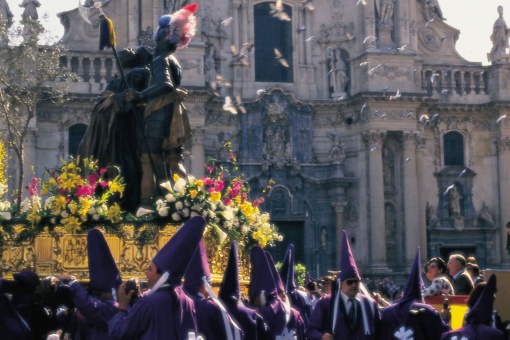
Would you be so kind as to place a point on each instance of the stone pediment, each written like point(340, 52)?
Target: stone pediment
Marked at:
point(436, 41)
point(78, 34)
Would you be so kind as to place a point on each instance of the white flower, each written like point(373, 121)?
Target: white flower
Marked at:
point(167, 185)
point(3, 189)
point(163, 211)
point(176, 217)
point(83, 218)
point(228, 214)
point(95, 217)
point(196, 207)
point(99, 210)
point(6, 215)
point(179, 205)
point(53, 220)
point(193, 214)
point(25, 206)
point(104, 208)
point(185, 212)
point(91, 211)
point(49, 202)
point(142, 211)
point(187, 203)
point(170, 198)
point(191, 179)
point(211, 214)
point(64, 214)
point(180, 186)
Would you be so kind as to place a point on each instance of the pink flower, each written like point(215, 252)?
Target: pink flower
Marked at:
point(92, 178)
point(103, 171)
point(104, 184)
point(228, 201)
point(86, 190)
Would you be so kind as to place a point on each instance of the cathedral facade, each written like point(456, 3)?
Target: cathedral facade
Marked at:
point(365, 117)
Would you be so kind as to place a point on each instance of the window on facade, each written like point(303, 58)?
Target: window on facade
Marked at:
point(271, 33)
point(76, 133)
point(453, 148)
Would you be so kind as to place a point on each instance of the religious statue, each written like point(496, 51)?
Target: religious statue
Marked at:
point(485, 215)
point(337, 72)
point(499, 37)
point(324, 239)
point(336, 151)
point(431, 10)
point(5, 13)
point(454, 202)
point(386, 12)
point(30, 10)
point(210, 67)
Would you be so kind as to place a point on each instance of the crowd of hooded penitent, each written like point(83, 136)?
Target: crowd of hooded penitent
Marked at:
point(179, 303)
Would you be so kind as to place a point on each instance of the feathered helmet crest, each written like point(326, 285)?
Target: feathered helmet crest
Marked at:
point(182, 25)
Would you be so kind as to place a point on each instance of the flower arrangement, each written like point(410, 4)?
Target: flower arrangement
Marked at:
point(77, 193)
point(6, 208)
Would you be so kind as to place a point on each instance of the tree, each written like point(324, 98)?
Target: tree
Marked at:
point(30, 73)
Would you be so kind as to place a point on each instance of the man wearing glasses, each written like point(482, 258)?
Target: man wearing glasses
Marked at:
point(345, 314)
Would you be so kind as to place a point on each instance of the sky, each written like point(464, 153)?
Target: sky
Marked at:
point(474, 19)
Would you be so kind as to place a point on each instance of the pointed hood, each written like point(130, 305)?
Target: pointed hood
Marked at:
point(261, 278)
point(348, 266)
point(412, 292)
point(230, 290)
point(414, 284)
point(287, 269)
point(175, 255)
point(198, 268)
point(481, 313)
point(103, 272)
point(276, 277)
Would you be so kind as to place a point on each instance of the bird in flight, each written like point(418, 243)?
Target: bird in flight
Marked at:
point(279, 58)
point(239, 56)
point(362, 2)
point(501, 118)
point(396, 96)
point(276, 11)
point(227, 21)
point(307, 4)
point(229, 106)
point(369, 39)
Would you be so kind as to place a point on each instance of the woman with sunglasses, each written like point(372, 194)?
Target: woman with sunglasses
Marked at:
point(435, 269)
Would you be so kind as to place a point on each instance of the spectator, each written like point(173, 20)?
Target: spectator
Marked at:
point(435, 269)
point(462, 282)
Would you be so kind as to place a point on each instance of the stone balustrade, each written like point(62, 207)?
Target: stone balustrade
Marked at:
point(458, 80)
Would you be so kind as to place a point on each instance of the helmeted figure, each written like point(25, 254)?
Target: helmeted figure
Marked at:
point(213, 320)
point(248, 319)
point(166, 312)
point(410, 315)
point(333, 315)
point(166, 125)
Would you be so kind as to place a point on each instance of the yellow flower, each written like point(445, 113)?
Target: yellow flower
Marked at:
point(114, 213)
point(247, 208)
point(215, 196)
point(175, 178)
point(238, 199)
point(193, 193)
point(200, 183)
point(60, 202)
point(73, 207)
point(72, 224)
point(116, 187)
point(85, 206)
point(34, 217)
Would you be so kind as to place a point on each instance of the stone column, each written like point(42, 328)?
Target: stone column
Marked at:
point(235, 24)
point(503, 152)
point(197, 153)
point(401, 19)
point(29, 155)
point(411, 208)
point(369, 22)
point(339, 216)
point(133, 23)
point(377, 245)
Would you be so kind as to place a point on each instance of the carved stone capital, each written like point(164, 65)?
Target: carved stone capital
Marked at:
point(198, 136)
point(502, 144)
point(339, 206)
point(372, 137)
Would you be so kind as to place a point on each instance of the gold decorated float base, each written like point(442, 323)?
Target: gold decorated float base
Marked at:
point(55, 252)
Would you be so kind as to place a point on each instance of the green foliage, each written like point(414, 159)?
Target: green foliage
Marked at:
point(299, 273)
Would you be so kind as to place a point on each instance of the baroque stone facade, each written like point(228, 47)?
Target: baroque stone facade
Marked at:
point(378, 121)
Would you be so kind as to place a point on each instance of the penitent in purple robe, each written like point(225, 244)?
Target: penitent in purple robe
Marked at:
point(421, 321)
point(96, 312)
point(474, 331)
point(275, 317)
point(156, 316)
point(209, 318)
point(251, 322)
point(320, 321)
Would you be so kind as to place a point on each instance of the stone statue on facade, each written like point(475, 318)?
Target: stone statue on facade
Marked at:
point(336, 151)
point(5, 13)
point(485, 216)
point(337, 73)
point(385, 8)
point(499, 38)
point(324, 239)
point(30, 10)
point(210, 67)
point(432, 10)
point(454, 202)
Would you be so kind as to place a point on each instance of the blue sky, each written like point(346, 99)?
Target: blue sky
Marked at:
point(474, 18)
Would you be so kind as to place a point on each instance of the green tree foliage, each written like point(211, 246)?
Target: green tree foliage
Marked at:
point(30, 73)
